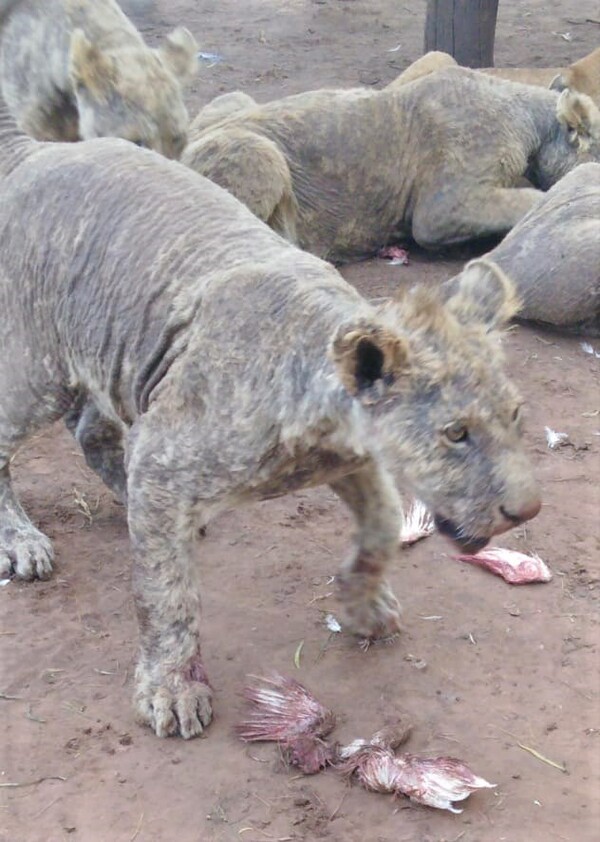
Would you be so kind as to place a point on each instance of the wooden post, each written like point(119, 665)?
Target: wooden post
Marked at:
point(463, 28)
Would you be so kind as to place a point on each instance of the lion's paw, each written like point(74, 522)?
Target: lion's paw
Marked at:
point(25, 553)
point(371, 612)
point(177, 705)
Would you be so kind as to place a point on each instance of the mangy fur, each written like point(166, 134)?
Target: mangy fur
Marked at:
point(205, 362)
point(553, 255)
point(344, 172)
point(79, 69)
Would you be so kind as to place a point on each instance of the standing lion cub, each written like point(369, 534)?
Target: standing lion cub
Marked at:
point(79, 69)
point(220, 365)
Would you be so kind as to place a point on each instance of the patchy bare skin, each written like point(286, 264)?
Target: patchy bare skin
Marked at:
point(553, 255)
point(345, 172)
point(582, 76)
point(79, 69)
point(232, 379)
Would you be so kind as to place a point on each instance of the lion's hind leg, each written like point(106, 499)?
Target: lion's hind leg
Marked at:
point(429, 63)
point(253, 169)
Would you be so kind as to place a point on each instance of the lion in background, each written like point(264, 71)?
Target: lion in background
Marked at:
point(582, 76)
point(79, 69)
point(439, 159)
point(553, 255)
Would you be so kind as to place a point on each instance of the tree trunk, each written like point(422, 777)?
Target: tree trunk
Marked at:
point(463, 28)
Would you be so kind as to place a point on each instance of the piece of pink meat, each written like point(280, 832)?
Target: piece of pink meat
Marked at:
point(395, 253)
point(514, 567)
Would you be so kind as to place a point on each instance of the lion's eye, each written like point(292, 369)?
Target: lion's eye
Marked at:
point(138, 142)
point(456, 432)
point(516, 413)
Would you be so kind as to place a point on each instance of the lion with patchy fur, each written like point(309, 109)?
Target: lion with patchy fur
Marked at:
point(198, 379)
point(344, 172)
point(79, 69)
point(553, 255)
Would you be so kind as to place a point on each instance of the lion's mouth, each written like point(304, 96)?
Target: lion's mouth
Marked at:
point(466, 543)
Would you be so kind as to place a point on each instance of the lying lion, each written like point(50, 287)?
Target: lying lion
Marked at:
point(582, 76)
point(79, 69)
point(553, 255)
point(208, 380)
point(344, 172)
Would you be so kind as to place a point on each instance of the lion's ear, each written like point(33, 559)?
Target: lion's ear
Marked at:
point(483, 293)
point(367, 354)
point(580, 115)
point(89, 67)
point(180, 54)
point(559, 83)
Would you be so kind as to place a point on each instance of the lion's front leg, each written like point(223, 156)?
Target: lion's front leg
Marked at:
point(172, 693)
point(459, 213)
point(371, 609)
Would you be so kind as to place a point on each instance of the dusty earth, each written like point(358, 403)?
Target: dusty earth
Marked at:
point(506, 667)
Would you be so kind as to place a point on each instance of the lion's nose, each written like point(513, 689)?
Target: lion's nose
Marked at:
point(527, 512)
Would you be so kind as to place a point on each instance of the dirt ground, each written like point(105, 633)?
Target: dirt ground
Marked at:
point(506, 668)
